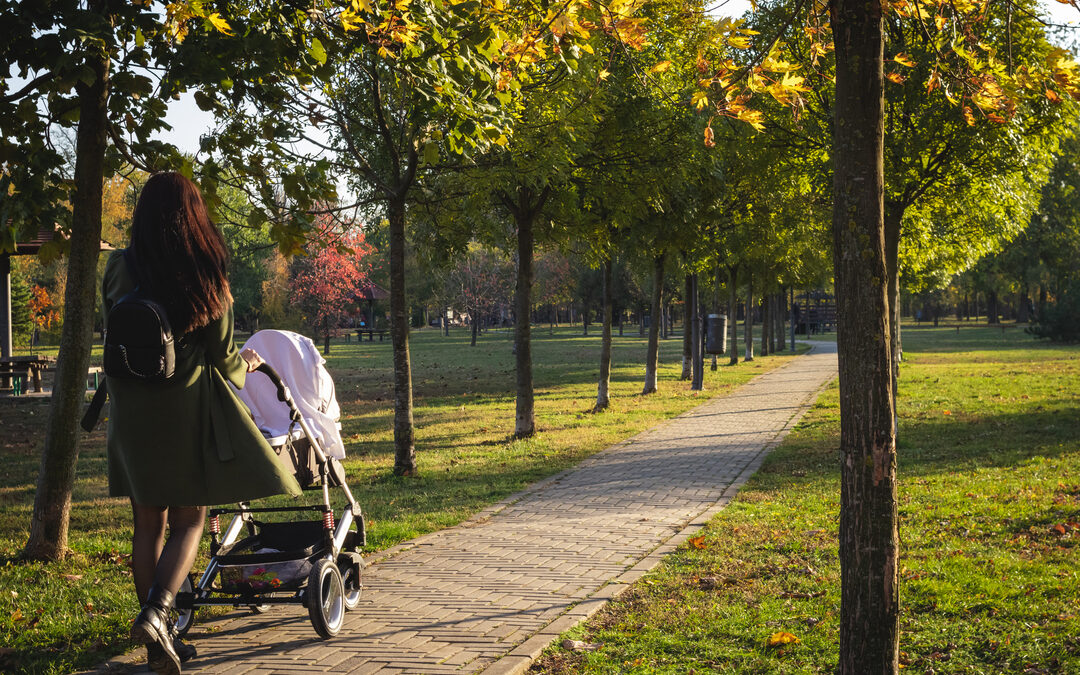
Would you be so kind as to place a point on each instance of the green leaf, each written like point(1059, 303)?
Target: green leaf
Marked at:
point(431, 153)
point(317, 51)
point(139, 39)
point(204, 101)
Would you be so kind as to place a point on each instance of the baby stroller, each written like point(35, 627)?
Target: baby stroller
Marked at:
point(313, 562)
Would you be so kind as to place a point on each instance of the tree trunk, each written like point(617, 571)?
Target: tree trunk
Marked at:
point(652, 357)
point(791, 298)
point(404, 449)
point(894, 215)
point(687, 336)
point(525, 417)
point(56, 477)
point(733, 308)
point(585, 320)
point(766, 324)
point(602, 399)
point(748, 323)
point(474, 326)
point(992, 308)
point(697, 382)
point(869, 595)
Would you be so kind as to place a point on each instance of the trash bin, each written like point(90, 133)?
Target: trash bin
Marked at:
point(716, 334)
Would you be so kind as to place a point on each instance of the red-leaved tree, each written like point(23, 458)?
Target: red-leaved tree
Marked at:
point(325, 280)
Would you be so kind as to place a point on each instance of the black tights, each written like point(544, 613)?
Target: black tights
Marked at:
point(155, 560)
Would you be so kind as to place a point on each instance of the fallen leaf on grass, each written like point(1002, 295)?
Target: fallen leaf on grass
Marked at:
point(73, 577)
point(697, 542)
point(17, 615)
point(780, 639)
point(581, 646)
point(815, 594)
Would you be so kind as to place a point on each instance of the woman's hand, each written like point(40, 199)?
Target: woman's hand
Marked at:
point(252, 358)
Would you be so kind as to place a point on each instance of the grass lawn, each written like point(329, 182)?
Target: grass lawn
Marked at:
point(59, 617)
point(989, 473)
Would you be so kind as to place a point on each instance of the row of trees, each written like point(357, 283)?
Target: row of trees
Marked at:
point(605, 130)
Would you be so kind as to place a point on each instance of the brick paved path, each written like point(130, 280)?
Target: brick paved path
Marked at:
point(490, 594)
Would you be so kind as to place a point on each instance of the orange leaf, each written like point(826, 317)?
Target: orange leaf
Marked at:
point(1052, 95)
point(709, 142)
point(895, 77)
point(697, 542)
point(1059, 528)
point(969, 117)
point(780, 639)
point(994, 117)
point(948, 412)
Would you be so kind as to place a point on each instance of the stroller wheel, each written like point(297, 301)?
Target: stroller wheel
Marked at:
point(325, 598)
point(185, 618)
point(351, 578)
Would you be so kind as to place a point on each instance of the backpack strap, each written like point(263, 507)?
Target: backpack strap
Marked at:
point(93, 411)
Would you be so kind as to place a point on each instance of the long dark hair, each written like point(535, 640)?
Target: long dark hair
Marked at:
point(180, 256)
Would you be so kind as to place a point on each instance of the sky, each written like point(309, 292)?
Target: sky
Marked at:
point(188, 122)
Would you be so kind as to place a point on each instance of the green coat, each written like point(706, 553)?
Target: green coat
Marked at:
point(188, 441)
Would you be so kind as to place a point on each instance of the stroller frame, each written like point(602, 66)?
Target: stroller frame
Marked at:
point(335, 581)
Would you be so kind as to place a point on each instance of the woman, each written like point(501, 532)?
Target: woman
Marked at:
point(177, 446)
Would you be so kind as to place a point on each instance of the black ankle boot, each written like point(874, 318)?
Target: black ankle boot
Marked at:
point(151, 628)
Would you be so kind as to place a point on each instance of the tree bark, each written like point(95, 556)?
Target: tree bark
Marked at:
point(748, 324)
point(697, 382)
point(733, 308)
point(525, 417)
point(652, 356)
point(404, 449)
point(869, 595)
point(687, 336)
point(52, 501)
point(602, 398)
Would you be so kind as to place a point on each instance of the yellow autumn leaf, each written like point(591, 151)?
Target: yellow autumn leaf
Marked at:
point(904, 60)
point(221, 24)
point(753, 117)
point(699, 542)
point(604, 74)
point(739, 42)
point(699, 100)
point(661, 67)
point(895, 77)
point(994, 117)
point(780, 639)
point(1052, 96)
point(362, 6)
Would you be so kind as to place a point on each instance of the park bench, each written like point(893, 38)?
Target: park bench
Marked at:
point(21, 372)
point(371, 333)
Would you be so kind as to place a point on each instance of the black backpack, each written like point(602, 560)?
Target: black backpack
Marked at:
point(139, 344)
point(138, 338)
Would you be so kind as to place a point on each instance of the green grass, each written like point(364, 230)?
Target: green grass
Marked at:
point(989, 487)
point(60, 617)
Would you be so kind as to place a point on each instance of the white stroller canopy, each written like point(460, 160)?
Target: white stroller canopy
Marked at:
point(300, 366)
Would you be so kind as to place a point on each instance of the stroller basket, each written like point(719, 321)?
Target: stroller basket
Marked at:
point(277, 558)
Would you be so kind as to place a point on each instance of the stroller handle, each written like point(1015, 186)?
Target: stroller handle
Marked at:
point(268, 370)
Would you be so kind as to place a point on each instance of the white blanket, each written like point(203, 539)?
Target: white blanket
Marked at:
point(298, 362)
